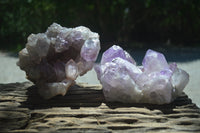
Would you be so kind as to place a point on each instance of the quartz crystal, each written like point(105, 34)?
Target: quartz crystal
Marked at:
point(155, 82)
point(54, 59)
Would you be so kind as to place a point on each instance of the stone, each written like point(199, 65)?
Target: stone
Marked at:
point(155, 82)
point(54, 59)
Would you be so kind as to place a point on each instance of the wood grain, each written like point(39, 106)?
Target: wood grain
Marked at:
point(84, 109)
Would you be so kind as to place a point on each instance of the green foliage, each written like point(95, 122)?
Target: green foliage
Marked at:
point(115, 20)
point(22, 17)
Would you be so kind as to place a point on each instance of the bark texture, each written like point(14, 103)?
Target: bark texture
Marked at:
point(84, 109)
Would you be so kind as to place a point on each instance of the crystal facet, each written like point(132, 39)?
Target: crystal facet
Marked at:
point(156, 82)
point(54, 59)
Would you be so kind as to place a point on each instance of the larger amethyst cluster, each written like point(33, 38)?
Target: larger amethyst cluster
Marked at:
point(54, 59)
point(155, 82)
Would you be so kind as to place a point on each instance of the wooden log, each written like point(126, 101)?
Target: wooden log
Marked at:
point(84, 109)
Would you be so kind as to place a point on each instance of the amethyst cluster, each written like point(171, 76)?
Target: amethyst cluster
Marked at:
point(54, 59)
point(155, 82)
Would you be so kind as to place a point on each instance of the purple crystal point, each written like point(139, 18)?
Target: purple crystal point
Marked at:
point(90, 49)
point(155, 82)
point(116, 51)
point(154, 61)
point(54, 59)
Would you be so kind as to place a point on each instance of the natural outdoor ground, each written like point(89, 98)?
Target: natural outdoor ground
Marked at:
point(187, 59)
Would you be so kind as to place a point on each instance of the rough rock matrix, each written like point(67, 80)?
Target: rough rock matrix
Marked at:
point(54, 59)
point(155, 82)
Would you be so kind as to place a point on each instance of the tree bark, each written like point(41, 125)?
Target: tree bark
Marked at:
point(84, 109)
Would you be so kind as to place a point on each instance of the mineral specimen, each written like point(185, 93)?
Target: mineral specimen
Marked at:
point(54, 59)
point(156, 82)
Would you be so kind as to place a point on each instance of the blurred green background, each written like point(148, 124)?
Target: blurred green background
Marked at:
point(131, 23)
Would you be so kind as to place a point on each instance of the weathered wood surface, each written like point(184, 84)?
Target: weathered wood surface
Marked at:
point(84, 109)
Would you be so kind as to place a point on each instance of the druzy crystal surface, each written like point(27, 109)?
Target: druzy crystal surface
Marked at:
point(155, 82)
point(54, 59)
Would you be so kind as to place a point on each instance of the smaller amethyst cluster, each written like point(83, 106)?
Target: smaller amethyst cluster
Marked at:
point(155, 82)
point(54, 59)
